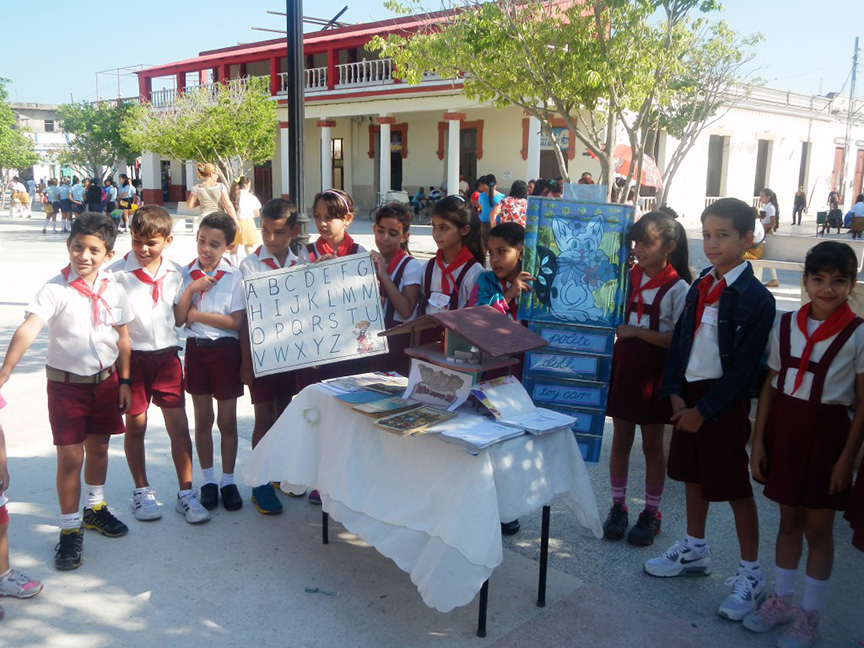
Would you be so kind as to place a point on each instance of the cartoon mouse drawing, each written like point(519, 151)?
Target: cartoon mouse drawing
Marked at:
point(364, 344)
point(576, 275)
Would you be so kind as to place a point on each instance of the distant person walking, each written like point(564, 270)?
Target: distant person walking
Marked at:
point(769, 213)
point(799, 205)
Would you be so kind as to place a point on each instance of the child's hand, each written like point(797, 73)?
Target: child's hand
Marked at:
point(380, 264)
point(688, 420)
point(203, 284)
point(4, 377)
point(678, 403)
point(841, 477)
point(124, 398)
point(246, 373)
point(625, 331)
point(324, 257)
point(759, 463)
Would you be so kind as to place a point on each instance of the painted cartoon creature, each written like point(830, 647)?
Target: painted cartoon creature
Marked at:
point(364, 343)
point(571, 293)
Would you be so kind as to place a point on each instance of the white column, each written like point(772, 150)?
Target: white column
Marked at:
point(191, 175)
point(384, 154)
point(283, 159)
point(454, 121)
point(151, 178)
point(326, 158)
point(533, 161)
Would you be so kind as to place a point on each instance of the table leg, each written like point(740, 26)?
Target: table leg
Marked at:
point(325, 519)
point(484, 600)
point(544, 556)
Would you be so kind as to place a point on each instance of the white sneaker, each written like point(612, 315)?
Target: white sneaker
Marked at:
point(679, 559)
point(189, 506)
point(145, 507)
point(748, 591)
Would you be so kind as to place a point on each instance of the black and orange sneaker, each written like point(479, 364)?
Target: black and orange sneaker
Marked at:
point(616, 522)
point(646, 528)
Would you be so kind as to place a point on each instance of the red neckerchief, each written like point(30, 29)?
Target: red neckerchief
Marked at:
point(322, 247)
point(829, 328)
point(636, 272)
point(268, 261)
point(197, 273)
point(392, 264)
point(447, 271)
point(145, 278)
point(83, 288)
point(707, 296)
point(512, 306)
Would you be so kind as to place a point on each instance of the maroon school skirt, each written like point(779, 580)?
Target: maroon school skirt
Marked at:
point(635, 383)
point(855, 512)
point(803, 442)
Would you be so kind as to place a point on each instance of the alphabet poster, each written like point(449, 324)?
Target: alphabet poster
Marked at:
point(314, 314)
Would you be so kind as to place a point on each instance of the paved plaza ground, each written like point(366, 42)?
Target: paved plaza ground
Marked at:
point(240, 579)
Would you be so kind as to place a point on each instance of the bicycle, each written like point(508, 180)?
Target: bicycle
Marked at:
point(388, 196)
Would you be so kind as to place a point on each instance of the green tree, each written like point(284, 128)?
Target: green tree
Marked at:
point(16, 149)
point(599, 64)
point(712, 80)
point(96, 147)
point(230, 125)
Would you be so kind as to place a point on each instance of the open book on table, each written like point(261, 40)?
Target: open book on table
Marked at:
point(509, 404)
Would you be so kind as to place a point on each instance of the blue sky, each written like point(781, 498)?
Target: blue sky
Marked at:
point(808, 48)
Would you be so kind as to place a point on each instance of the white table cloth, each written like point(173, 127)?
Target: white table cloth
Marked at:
point(431, 507)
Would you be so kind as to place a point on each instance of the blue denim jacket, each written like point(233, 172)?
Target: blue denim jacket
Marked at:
point(745, 319)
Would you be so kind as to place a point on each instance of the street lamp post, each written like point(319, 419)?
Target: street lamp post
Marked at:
point(296, 113)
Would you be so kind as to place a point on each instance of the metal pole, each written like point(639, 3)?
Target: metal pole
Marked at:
point(296, 114)
point(846, 142)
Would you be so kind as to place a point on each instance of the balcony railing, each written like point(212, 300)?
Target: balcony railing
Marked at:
point(365, 73)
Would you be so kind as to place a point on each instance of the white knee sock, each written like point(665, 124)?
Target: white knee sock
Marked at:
point(814, 593)
point(95, 494)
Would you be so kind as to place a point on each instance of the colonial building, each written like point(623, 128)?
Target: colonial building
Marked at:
point(39, 122)
point(367, 132)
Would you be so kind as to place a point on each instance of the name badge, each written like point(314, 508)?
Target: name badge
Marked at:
point(439, 300)
point(709, 315)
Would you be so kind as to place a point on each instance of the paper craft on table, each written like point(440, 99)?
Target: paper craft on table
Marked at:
point(507, 401)
point(359, 382)
point(385, 406)
point(436, 385)
point(415, 421)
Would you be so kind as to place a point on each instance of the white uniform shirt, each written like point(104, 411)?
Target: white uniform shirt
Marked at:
point(839, 386)
point(304, 253)
point(411, 276)
point(769, 210)
point(671, 306)
point(75, 344)
point(262, 261)
point(153, 326)
point(465, 289)
point(248, 203)
point(704, 362)
point(224, 298)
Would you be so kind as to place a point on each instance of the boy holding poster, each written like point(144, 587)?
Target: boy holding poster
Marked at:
point(272, 393)
point(213, 308)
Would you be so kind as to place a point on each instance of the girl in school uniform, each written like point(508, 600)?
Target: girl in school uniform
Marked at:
point(804, 444)
point(659, 281)
point(449, 278)
point(399, 275)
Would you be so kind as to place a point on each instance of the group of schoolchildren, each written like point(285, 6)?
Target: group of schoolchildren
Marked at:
point(68, 198)
point(686, 355)
point(691, 355)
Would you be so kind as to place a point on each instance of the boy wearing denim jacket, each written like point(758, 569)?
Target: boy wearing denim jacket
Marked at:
point(713, 360)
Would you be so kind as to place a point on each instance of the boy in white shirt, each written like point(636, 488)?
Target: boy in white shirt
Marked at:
point(212, 306)
point(270, 394)
point(152, 283)
point(88, 377)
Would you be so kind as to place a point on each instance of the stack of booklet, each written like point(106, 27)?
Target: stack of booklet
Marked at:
point(476, 433)
point(506, 400)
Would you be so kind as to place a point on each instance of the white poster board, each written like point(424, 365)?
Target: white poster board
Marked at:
point(314, 314)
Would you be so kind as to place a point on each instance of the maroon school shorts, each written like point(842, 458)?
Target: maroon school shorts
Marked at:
point(803, 442)
point(635, 383)
point(213, 367)
point(267, 389)
point(76, 410)
point(156, 376)
point(715, 457)
point(855, 511)
point(4, 514)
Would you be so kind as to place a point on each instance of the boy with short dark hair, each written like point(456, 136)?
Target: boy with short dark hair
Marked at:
point(270, 394)
point(713, 361)
point(152, 283)
point(88, 377)
point(212, 306)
